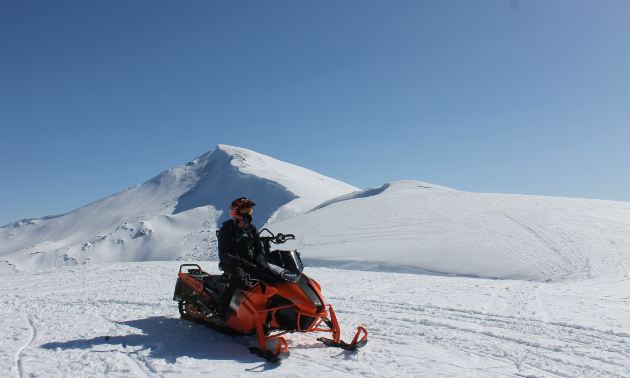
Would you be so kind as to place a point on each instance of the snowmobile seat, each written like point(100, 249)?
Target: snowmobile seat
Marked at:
point(216, 282)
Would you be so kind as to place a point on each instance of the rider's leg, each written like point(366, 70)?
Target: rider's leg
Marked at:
point(236, 274)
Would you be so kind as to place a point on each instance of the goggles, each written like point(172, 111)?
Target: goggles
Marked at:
point(247, 210)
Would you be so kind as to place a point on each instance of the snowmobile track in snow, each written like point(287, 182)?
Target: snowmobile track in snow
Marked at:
point(19, 361)
point(136, 361)
point(521, 341)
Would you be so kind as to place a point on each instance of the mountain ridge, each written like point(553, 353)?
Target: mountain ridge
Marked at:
point(189, 198)
point(402, 226)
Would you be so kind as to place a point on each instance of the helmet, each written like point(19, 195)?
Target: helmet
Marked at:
point(242, 209)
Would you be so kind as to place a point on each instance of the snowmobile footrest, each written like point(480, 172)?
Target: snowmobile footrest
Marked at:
point(269, 356)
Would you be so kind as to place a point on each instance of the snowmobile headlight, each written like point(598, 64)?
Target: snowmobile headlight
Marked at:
point(289, 276)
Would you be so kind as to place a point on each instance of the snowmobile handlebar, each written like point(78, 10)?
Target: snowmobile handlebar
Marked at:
point(281, 238)
point(275, 239)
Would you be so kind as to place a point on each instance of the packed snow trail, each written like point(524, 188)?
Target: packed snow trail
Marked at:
point(119, 320)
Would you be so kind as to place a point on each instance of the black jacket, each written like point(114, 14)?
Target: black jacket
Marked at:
point(237, 243)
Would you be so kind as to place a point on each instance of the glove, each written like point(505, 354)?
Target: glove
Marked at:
point(261, 262)
point(259, 259)
point(246, 265)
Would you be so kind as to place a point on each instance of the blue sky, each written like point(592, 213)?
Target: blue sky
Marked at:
point(528, 97)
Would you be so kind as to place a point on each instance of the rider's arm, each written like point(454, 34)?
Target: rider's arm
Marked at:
point(259, 248)
point(223, 241)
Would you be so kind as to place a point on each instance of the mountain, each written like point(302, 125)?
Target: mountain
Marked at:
point(172, 216)
point(404, 226)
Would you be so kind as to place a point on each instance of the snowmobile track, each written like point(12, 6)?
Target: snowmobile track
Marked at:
point(136, 362)
point(581, 351)
point(20, 354)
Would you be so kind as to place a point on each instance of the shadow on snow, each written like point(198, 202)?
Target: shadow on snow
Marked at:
point(169, 339)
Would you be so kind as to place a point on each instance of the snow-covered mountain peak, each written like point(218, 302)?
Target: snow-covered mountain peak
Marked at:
point(183, 202)
point(300, 181)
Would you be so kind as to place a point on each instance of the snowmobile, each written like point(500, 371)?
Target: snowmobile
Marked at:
point(270, 302)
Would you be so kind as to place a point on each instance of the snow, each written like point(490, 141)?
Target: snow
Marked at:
point(119, 320)
point(170, 217)
point(412, 226)
point(448, 283)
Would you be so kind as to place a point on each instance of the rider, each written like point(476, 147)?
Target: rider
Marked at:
point(240, 249)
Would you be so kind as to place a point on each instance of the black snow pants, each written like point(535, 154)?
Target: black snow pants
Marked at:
point(236, 274)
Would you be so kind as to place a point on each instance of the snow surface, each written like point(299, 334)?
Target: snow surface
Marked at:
point(119, 320)
point(502, 285)
point(412, 226)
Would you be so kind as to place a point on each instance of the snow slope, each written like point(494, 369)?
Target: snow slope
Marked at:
point(172, 216)
point(412, 226)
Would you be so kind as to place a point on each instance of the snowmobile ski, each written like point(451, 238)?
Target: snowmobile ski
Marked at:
point(269, 356)
point(342, 344)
